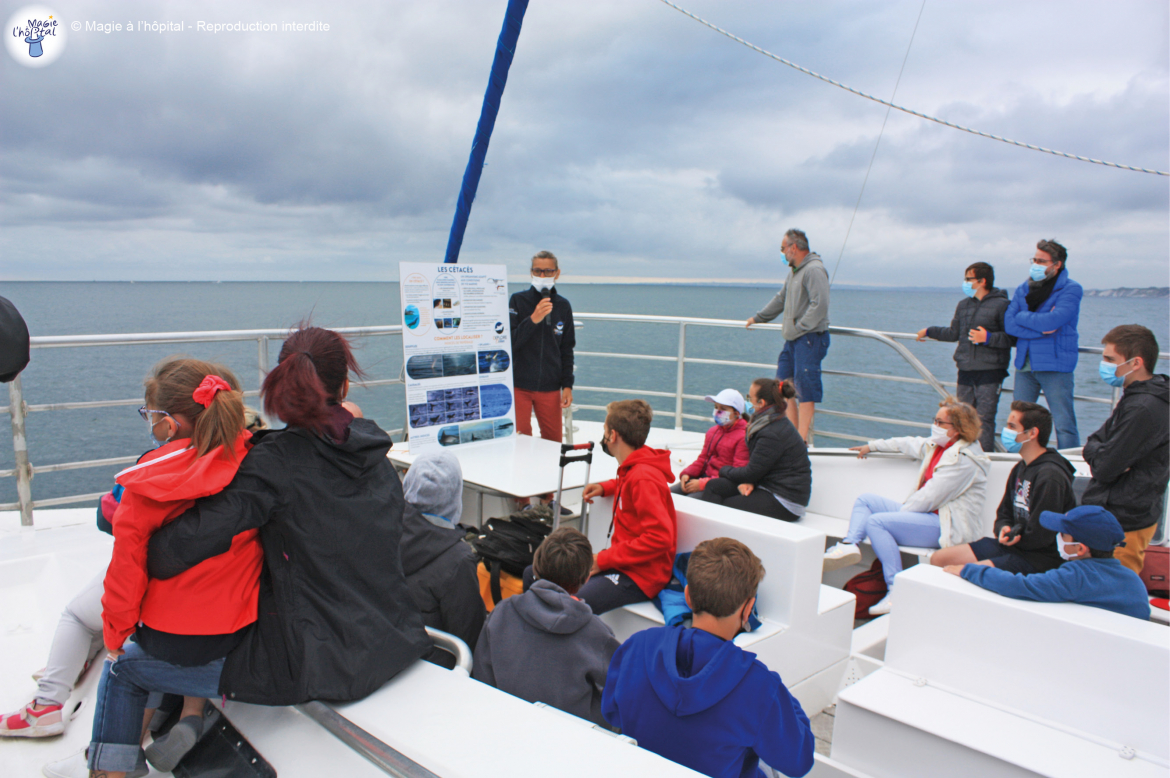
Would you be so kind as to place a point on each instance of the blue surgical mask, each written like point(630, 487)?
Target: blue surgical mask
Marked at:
point(1038, 272)
point(1008, 438)
point(722, 418)
point(1108, 373)
point(968, 288)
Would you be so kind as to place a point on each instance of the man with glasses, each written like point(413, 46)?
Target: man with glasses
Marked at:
point(984, 351)
point(542, 350)
point(1043, 318)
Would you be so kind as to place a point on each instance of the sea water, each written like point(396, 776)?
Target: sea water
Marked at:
point(117, 372)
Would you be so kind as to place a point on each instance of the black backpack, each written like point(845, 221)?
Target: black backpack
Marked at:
point(509, 544)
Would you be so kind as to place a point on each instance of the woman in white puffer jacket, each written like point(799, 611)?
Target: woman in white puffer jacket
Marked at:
point(943, 511)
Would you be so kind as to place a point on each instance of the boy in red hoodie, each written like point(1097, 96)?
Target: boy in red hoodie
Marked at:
point(644, 533)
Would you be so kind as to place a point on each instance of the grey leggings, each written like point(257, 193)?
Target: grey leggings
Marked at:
point(78, 640)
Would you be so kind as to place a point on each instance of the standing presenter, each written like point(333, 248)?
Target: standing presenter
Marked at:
point(542, 350)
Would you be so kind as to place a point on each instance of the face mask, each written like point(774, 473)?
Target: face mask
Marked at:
point(938, 435)
point(1008, 439)
point(1108, 373)
point(1038, 272)
point(968, 288)
point(542, 283)
point(605, 447)
point(1060, 543)
point(154, 442)
point(722, 418)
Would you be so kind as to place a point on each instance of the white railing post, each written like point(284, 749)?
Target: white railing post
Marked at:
point(262, 344)
point(682, 364)
point(16, 409)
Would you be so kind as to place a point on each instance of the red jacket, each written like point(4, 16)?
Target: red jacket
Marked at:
point(215, 597)
point(645, 528)
point(723, 447)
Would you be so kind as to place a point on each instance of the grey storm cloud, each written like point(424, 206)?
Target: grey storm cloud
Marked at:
point(630, 138)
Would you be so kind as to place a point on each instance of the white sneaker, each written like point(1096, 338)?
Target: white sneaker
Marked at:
point(842, 555)
point(882, 607)
point(77, 766)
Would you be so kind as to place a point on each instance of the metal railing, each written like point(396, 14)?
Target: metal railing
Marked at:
point(18, 409)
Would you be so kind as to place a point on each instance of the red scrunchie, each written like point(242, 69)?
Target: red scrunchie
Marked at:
point(205, 394)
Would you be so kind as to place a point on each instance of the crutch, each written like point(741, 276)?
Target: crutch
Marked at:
point(566, 459)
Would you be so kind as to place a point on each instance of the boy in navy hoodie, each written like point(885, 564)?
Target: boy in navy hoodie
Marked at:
point(696, 698)
point(545, 645)
point(1085, 538)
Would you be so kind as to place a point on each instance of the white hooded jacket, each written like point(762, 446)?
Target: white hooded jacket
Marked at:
point(956, 490)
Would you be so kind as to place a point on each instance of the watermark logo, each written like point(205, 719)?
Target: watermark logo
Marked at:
point(35, 36)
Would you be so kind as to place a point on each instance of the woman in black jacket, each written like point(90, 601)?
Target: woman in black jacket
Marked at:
point(777, 479)
point(336, 620)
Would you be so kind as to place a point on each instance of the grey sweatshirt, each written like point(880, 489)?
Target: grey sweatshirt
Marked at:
point(545, 646)
point(804, 300)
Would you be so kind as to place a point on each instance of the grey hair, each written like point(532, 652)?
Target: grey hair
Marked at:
point(547, 255)
point(798, 239)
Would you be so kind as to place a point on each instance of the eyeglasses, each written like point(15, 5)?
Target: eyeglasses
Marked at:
point(146, 412)
point(943, 423)
point(544, 273)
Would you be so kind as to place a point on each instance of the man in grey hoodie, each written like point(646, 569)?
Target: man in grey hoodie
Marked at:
point(545, 645)
point(804, 301)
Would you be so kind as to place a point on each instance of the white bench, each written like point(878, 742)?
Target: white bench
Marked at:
point(978, 684)
point(806, 627)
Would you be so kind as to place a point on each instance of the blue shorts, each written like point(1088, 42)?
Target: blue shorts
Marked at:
point(801, 361)
point(1006, 558)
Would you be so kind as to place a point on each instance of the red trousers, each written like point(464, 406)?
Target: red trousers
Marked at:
point(548, 413)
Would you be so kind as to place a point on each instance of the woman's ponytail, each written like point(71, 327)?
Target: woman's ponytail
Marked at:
point(222, 421)
point(310, 375)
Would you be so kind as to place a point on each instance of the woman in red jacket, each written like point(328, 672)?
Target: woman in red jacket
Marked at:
point(724, 446)
point(189, 622)
point(638, 563)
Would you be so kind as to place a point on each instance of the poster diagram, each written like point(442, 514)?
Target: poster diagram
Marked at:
point(457, 346)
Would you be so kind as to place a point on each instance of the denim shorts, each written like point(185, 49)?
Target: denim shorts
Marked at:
point(1005, 558)
point(801, 361)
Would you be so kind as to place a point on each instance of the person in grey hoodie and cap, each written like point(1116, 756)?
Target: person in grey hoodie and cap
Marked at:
point(984, 351)
point(545, 645)
point(439, 566)
point(804, 301)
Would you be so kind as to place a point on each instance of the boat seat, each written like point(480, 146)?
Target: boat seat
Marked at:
point(649, 611)
point(838, 528)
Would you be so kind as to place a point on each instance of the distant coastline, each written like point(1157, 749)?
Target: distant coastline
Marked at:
point(1151, 292)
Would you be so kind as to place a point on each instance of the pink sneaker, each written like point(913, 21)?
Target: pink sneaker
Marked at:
point(27, 722)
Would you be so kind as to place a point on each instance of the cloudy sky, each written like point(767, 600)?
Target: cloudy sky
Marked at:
point(631, 141)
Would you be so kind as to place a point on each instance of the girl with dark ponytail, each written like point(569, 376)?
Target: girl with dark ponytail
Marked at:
point(337, 620)
point(777, 479)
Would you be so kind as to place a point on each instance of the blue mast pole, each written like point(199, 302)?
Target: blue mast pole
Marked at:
point(505, 49)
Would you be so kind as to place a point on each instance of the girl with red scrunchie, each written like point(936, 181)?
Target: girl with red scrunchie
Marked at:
point(195, 409)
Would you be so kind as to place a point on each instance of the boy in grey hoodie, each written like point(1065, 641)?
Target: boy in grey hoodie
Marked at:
point(545, 645)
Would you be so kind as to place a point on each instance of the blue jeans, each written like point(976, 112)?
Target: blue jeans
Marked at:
point(887, 526)
point(121, 700)
point(801, 360)
point(1058, 392)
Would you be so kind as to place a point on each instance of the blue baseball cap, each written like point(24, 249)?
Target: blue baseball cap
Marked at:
point(1090, 525)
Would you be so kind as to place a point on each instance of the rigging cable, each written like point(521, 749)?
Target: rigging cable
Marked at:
point(903, 109)
point(873, 156)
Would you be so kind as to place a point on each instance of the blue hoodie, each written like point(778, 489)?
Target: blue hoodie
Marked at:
point(1101, 583)
point(705, 703)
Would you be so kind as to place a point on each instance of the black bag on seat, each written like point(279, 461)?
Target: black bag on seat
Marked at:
point(509, 544)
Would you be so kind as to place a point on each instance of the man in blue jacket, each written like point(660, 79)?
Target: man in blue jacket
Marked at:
point(1085, 538)
point(696, 698)
point(1043, 318)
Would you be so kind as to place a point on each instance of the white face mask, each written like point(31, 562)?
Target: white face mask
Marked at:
point(1060, 544)
point(939, 435)
point(541, 283)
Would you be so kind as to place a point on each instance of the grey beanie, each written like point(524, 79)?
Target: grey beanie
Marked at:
point(434, 484)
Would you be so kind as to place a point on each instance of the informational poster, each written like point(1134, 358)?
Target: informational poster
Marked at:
point(457, 346)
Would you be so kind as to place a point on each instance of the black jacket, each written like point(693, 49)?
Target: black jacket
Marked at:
point(542, 354)
point(1044, 485)
point(336, 620)
point(1130, 455)
point(971, 312)
point(440, 571)
point(777, 462)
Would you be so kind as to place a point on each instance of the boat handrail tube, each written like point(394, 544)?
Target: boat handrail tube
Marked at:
point(454, 646)
point(385, 758)
point(131, 338)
